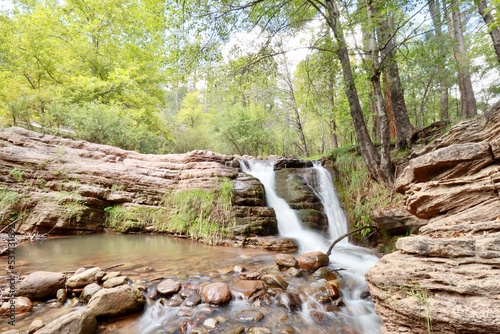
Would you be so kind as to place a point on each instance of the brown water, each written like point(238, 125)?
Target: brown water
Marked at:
point(149, 257)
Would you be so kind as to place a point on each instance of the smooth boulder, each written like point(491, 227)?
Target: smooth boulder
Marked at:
point(216, 294)
point(41, 285)
point(76, 322)
point(117, 301)
point(82, 279)
point(313, 260)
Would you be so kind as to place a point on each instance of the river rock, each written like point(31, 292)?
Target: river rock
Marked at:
point(216, 293)
point(325, 273)
point(290, 301)
point(41, 285)
point(82, 279)
point(115, 281)
point(332, 288)
point(116, 301)
point(250, 275)
point(272, 243)
point(313, 260)
point(193, 300)
point(61, 296)
point(447, 276)
point(259, 330)
point(294, 272)
point(285, 261)
point(250, 289)
point(35, 325)
point(22, 305)
point(112, 274)
point(275, 281)
point(90, 290)
point(75, 322)
point(168, 287)
point(250, 315)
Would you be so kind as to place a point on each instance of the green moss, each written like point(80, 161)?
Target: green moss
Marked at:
point(198, 214)
point(73, 205)
point(13, 206)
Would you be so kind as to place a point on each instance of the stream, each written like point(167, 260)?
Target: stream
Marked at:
point(147, 258)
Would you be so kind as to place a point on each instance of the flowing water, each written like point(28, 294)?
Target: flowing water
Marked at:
point(356, 261)
point(147, 258)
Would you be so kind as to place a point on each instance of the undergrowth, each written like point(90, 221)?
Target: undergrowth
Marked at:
point(198, 214)
point(358, 192)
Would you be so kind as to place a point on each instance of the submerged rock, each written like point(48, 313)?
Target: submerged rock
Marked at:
point(250, 289)
point(290, 301)
point(22, 305)
point(285, 261)
point(250, 315)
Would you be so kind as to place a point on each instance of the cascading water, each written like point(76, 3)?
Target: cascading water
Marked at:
point(354, 261)
point(289, 225)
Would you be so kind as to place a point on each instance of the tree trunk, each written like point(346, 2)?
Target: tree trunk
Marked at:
point(332, 125)
point(434, 8)
point(404, 129)
point(368, 150)
point(385, 137)
point(485, 11)
point(467, 96)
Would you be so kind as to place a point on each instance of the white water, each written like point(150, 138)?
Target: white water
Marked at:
point(355, 260)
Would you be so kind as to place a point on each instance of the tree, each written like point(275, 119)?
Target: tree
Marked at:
point(493, 25)
point(467, 97)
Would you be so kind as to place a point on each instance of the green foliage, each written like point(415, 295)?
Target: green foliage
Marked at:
point(357, 190)
point(73, 205)
point(13, 206)
point(198, 214)
point(17, 174)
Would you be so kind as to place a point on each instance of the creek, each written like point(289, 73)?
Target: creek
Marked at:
point(150, 257)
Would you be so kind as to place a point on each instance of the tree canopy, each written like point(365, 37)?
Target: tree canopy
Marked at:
point(260, 77)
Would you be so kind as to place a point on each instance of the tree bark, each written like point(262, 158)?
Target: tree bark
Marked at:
point(434, 8)
point(485, 11)
point(368, 150)
point(404, 129)
point(385, 137)
point(467, 96)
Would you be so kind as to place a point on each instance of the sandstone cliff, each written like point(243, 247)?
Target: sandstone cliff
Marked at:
point(52, 185)
point(447, 278)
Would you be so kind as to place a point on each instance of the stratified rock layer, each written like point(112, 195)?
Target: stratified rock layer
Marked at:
point(64, 186)
point(447, 279)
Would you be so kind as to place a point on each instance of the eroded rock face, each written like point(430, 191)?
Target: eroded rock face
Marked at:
point(65, 184)
point(448, 277)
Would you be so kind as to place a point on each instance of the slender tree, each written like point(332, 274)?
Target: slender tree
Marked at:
point(485, 11)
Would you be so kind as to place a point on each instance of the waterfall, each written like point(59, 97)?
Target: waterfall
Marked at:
point(353, 260)
point(337, 222)
point(289, 225)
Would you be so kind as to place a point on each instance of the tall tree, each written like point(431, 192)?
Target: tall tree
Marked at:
point(493, 27)
point(437, 21)
point(467, 96)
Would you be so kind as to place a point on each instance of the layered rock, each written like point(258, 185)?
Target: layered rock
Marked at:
point(61, 186)
point(447, 279)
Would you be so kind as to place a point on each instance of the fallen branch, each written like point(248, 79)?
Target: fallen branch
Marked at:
point(346, 235)
point(112, 267)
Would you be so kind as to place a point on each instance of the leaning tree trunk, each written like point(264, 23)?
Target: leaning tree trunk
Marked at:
point(368, 150)
point(494, 31)
point(468, 99)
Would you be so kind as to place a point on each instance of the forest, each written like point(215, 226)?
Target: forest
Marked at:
point(296, 78)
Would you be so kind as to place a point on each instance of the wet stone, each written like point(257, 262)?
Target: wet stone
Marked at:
point(90, 290)
point(318, 317)
point(185, 312)
point(294, 272)
point(210, 323)
point(239, 269)
point(290, 301)
point(234, 330)
point(250, 275)
point(115, 281)
point(324, 273)
point(168, 287)
point(250, 289)
point(35, 325)
point(332, 289)
point(111, 275)
point(259, 330)
point(313, 260)
point(61, 296)
point(275, 281)
point(285, 261)
point(175, 301)
point(193, 300)
point(99, 276)
point(250, 315)
point(287, 330)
